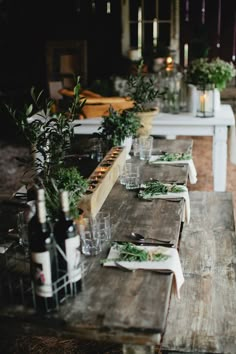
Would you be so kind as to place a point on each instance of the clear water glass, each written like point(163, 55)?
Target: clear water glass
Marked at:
point(145, 147)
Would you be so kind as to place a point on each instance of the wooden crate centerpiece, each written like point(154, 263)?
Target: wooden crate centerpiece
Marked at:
point(102, 180)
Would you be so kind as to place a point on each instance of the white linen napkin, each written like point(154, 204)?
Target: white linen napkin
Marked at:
point(176, 195)
point(171, 263)
point(192, 173)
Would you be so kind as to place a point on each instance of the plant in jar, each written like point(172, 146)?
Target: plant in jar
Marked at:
point(202, 72)
point(118, 125)
point(143, 90)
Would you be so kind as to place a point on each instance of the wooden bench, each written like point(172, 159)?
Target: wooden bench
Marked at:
point(204, 320)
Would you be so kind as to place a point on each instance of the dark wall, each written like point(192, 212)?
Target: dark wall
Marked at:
point(202, 38)
point(26, 25)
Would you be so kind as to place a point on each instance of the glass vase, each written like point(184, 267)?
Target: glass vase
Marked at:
point(205, 101)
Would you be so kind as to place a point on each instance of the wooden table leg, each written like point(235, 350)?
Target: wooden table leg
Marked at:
point(219, 157)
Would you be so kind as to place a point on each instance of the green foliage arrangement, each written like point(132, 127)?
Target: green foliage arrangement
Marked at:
point(68, 179)
point(218, 72)
point(50, 137)
point(118, 125)
point(143, 90)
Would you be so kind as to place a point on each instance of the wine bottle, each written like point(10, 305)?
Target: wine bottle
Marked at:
point(67, 238)
point(44, 266)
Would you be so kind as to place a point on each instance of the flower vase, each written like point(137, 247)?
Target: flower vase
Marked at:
point(217, 101)
point(127, 143)
point(192, 99)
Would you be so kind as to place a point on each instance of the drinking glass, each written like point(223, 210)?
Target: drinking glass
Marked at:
point(145, 147)
point(128, 168)
point(132, 179)
point(91, 242)
point(103, 225)
point(135, 147)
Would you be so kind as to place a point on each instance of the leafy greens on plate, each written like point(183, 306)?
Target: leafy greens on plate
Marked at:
point(128, 252)
point(154, 187)
point(175, 156)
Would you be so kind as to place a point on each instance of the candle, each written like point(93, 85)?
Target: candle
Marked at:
point(140, 28)
point(203, 11)
point(219, 25)
point(202, 102)
point(234, 38)
point(154, 32)
point(187, 10)
point(186, 55)
point(108, 7)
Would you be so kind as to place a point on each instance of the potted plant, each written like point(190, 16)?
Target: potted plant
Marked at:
point(50, 137)
point(143, 91)
point(216, 72)
point(119, 127)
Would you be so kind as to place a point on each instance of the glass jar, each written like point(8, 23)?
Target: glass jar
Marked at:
point(170, 84)
point(205, 101)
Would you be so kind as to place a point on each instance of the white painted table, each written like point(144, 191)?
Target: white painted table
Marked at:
point(186, 124)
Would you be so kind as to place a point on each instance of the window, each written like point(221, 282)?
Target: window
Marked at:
point(150, 25)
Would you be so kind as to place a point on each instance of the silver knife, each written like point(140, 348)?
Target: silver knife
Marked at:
point(149, 243)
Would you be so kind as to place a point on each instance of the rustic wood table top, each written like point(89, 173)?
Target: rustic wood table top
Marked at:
point(123, 307)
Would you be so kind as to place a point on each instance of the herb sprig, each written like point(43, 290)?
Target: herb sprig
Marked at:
point(176, 156)
point(130, 253)
point(155, 187)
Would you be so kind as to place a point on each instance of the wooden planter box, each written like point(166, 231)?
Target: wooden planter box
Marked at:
point(102, 180)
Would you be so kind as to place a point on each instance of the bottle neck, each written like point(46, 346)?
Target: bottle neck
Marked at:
point(41, 211)
point(65, 207)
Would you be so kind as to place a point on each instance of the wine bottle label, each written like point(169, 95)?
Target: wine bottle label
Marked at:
point(73, 258)
point(42, 274)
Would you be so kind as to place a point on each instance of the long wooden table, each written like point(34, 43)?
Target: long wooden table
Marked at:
point(186, 124)
point(123, 307)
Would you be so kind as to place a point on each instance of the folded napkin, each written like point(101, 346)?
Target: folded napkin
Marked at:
point(192, 173)
point(172, 262)
point(173, 195)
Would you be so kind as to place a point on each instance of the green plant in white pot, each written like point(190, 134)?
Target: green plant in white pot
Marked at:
point(216, 72)
point(119, 127)
point(143, 90)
